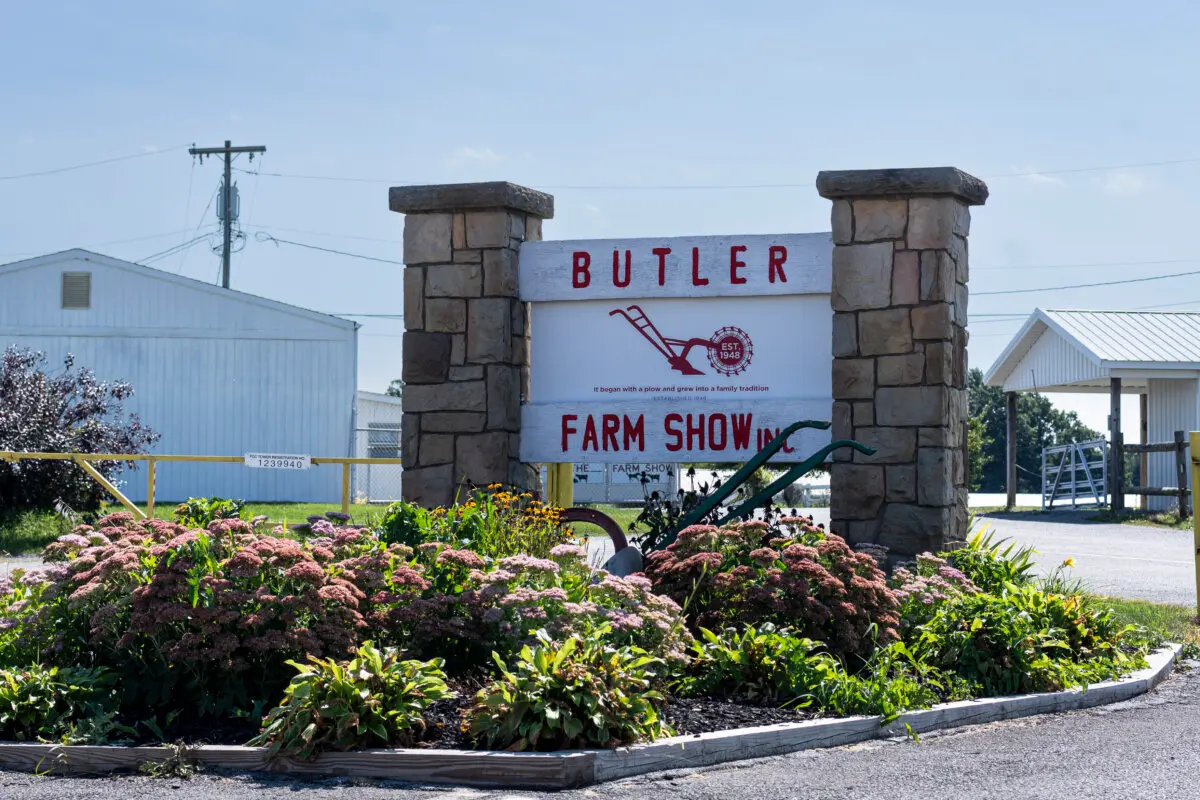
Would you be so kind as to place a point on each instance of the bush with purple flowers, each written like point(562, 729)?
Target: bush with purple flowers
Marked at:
point(806, 579)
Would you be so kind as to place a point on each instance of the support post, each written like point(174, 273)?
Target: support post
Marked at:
point(1144, 459)
point(560, 485)
point(1116, 469)
point(346, 488)
point(1010, 449)
point(110, 488)
point(150, 487)
point(1195, 448)
point(1181, 473)
point(899, 376)
point(466, 341)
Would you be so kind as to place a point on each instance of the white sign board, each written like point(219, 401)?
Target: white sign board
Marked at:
point(277, 461)
point(676, 350)
point(621, 483)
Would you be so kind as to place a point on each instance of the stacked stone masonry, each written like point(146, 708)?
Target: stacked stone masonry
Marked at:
point(466, 341)
point(900, 361)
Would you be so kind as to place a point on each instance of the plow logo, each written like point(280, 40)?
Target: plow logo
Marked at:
point(729, 349)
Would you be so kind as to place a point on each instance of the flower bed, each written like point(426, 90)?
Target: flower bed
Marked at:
point(438, 631)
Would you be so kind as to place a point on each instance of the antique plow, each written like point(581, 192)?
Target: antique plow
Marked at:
point(744, 509)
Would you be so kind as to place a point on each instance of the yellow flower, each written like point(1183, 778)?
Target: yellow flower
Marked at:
point(1070, 562)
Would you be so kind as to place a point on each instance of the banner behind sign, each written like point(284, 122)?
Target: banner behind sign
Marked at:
point(676, 350)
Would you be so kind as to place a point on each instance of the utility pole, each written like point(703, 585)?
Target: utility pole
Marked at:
point(227, 213)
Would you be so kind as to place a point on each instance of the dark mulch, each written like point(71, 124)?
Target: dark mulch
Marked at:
point(704, 715)
point(442, 722)
point(443, 731)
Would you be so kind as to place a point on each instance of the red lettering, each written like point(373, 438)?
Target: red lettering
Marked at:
point(696, 279)
point(714, 430)
point(776, 257)
point(735, 264)
point(670, 424)
point(610, 424)
point(617, 267)
point(662, 253)
point(695, 431)
point(567, 428)
point(741, 430)
point(635, 433)
point(581, 276)
point(589, 434)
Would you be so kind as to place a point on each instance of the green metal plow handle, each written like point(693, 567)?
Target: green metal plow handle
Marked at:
point(761, 457)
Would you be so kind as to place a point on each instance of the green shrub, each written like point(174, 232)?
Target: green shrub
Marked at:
point(198, 512)
point(491, 523)
point(759, 664)
point(375, 699)
point(580, 693)
point(1024, 640)
point(770, 666)
point(404, 523)
point(800, 576)
point(39, 703)
point(990, 564)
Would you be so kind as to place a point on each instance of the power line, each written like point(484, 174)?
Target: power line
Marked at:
point(199, 223)
point(694, 186)
point(56, 171)
point(101, 244)
point(263, 236)
point(1088, 285)
point(172, 250)
point(326, 233)
point(1092, 264)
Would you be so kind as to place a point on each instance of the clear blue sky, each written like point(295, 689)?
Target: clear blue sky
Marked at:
point(554, 95)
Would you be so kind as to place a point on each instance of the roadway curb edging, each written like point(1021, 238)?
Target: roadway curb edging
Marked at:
point(582, 767)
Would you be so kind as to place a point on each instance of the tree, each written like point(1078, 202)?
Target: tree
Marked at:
point(1039, 424)
point(977, 456)
point(72, 412)
point(395, 388)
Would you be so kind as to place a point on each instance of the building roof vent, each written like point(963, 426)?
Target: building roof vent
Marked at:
point(77, 290)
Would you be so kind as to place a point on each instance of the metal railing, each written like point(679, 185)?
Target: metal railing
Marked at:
point(84, 460)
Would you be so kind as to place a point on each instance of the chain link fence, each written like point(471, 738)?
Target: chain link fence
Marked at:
point(376, 483)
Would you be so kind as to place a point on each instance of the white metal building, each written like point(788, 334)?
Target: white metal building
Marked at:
point(1155, 355)
point(377, 436)
point(215, 371)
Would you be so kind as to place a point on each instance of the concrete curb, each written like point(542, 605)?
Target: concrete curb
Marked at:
point(583, 767)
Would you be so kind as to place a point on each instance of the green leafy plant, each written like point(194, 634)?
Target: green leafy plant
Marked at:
point(760, 664)
point(374, 699)
point(577, 693)
point(990, 563)
point(491, 522)
point(404, 523)
point(49, 703)
point(198, 512)
point(1025, 640)
point(179, 764)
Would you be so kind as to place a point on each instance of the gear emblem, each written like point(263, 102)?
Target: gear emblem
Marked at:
point(730, 351)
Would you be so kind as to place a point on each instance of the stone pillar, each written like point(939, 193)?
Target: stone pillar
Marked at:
point(466, 340)
point(900, 353)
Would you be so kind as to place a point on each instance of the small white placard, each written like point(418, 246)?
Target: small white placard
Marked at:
point(277, 461)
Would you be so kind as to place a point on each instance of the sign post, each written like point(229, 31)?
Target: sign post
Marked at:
point(1195, 450)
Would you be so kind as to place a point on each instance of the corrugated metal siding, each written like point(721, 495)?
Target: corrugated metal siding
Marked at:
point(1170, 407)
point(1135, 335)
point(1052, 361)
point(215, 374)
